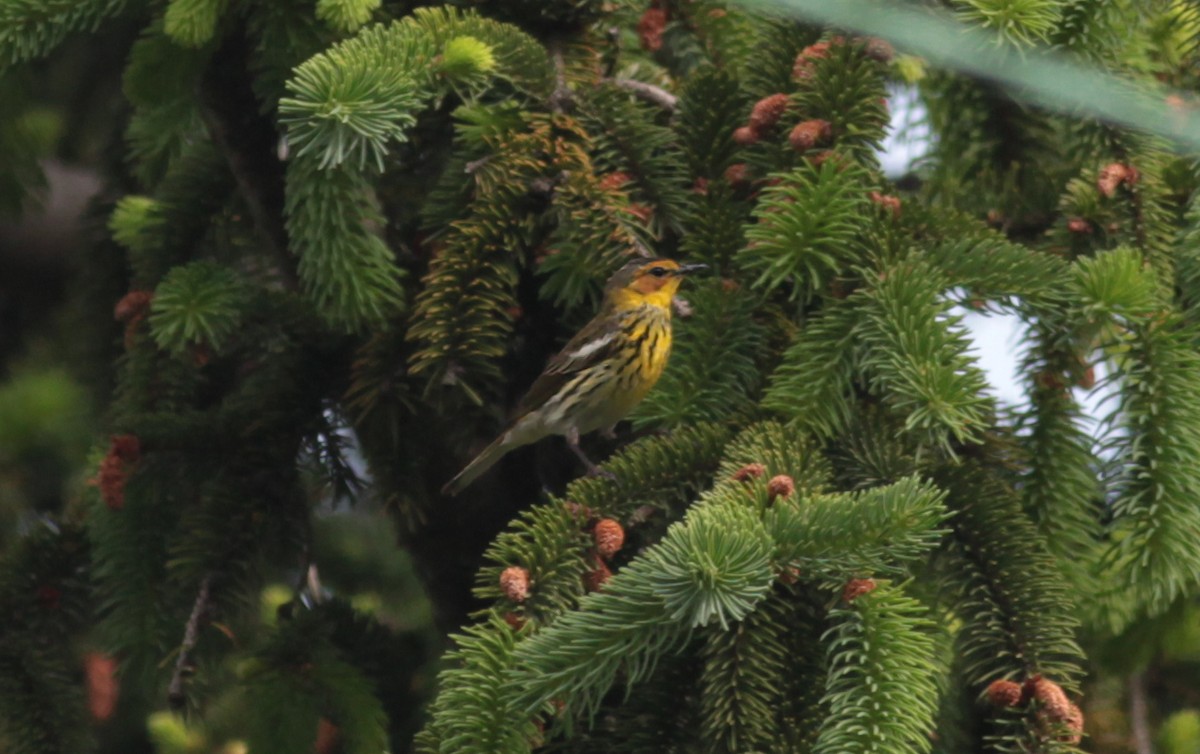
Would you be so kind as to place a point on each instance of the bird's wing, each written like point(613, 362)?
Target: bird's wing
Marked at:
point(595, 343)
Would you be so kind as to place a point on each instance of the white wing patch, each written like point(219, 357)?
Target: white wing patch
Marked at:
point(592, 347)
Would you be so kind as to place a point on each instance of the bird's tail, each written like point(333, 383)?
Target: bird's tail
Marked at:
point(481, 463)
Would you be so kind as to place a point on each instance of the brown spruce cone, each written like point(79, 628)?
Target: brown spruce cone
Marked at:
point(1004, 693)
point(1114, 174)
point(650, 29)
point(809, 134)
point(856, 588)
point(767, 112)
point(609, 537)
point(514, 582)
point(748, 472)
point(745, 136)
point(887, 201)
point(781, 485)
point(595, 579)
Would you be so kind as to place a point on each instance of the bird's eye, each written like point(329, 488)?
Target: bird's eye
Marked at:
point(658, 272)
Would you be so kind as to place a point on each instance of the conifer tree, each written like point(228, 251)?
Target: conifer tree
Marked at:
point(338, 238)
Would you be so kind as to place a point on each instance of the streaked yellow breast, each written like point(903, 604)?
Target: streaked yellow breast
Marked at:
point(643, 358)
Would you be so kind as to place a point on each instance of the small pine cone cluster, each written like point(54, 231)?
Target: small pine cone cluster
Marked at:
point(1114, 175)
point(745, 135)
point(809, 134)
point(614, 181)
point(609, 537)
point(595, 579)
point(1004, 693)
point(1049, 379)
point(1055, 708)
point(1049, 696)
point(1087, 380)
point(641, 211)
point(764, 116)
point(856, 588)
point(1079, 226)
point(737, 174)
point(802, 69)
point(514, 621)
point(878, 49)
point(514, 583)
point(132, 310)
point(887, 201)
point(1074, 722)
point(767, 112)
point(780, 485)
point(123, 452)
point(103, 688)
point(580, 513)
point(650, 28)
point(749, 472)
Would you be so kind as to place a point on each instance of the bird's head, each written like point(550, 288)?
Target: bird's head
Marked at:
point(647, 281)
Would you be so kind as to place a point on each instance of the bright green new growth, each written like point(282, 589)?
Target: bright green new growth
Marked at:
point(200, 304)
point(132, 222)
point(346, 15)
point(347, 106)
point(192, 23)
point(807, 228)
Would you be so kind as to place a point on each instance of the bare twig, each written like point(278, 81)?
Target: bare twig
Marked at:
point(561, 100)
point(475, 165)
point(191, 632)
point(313, 580)
point(1139, 714)
point(655, 95)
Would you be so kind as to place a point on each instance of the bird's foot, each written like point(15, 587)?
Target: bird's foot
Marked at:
point(595, 471)
point(592, 469)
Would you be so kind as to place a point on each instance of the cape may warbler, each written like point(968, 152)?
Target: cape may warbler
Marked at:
point(602, 373)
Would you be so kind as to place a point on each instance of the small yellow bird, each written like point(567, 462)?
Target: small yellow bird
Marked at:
point(602, 373)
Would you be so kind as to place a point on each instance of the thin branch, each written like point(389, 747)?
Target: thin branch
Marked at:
point(175, 695)
point(561, 100)
point(249, 144)
point(1139, 714)
point(313, 582)
point(655, 95)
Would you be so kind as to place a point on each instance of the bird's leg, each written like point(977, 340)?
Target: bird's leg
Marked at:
point(572, 436)
point(609, 433)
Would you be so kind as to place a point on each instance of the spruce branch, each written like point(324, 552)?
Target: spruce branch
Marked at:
point(813, 385)
point(881, 694)
point(807, 228)
point(1017, 608)
point(742, 679)
point(30, 29)
point(877, 531)
point(346, 15)
point(993, 268)
point(192, 23)
point(1155, 520)
point(917, 356)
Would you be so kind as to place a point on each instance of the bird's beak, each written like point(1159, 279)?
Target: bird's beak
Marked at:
point(687, 269)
